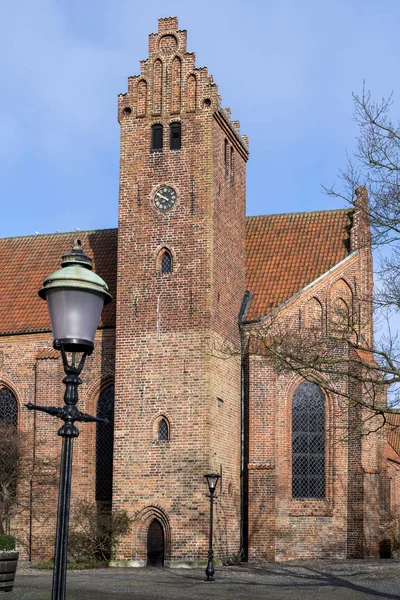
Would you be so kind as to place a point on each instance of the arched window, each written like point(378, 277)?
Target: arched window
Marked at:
point(8, 408)
point(105, 446)
point(166, 262)
point(175, 136)
point(163, 430)
point(308, 442)
point(157, 137)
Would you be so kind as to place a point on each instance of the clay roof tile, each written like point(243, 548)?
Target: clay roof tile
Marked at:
point(286, 252)
point(26, 261)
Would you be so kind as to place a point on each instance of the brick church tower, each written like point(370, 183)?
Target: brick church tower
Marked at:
point(181, 279)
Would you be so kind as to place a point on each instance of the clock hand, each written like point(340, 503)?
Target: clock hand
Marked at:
point(161, 196)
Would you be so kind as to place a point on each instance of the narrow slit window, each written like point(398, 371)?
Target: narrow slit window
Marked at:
point(163, 430)
point(166, 262)
point(157, 137)
point(175, 136)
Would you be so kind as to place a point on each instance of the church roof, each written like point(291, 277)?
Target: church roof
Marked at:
point(26, 261)
point(284, 254)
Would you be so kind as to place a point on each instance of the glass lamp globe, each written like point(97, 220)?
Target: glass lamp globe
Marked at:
point(75, 297)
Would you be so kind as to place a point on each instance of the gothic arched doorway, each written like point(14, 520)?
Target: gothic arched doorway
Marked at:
point(155, 544)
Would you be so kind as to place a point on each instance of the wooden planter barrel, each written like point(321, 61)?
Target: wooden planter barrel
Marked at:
point(8, 566)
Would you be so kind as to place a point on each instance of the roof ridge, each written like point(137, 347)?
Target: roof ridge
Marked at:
point(312, 212)
point(37, 235)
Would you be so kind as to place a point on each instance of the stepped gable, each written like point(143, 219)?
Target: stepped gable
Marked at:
point(26, 261)
point(171, 87)
point(169, 82)
point(284, 253)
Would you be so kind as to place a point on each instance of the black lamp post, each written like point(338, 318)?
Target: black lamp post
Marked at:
point(212, 480)
point(75, 297)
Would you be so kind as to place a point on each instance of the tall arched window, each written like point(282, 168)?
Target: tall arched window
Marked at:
point(308, 442)
point(105, 446)
point(166, 262)
point(8, 408)
point(157, 137)
point(163, 430)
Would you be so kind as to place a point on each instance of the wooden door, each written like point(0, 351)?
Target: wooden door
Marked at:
point(155, 544)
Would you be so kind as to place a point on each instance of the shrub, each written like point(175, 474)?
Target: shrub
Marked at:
point(393, 530)
point(96, 533)
point(7, 542)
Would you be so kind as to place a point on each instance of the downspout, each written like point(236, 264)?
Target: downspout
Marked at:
point(33, 469)
point(243, 503)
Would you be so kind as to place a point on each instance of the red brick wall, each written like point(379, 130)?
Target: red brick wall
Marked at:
point(33, 372)
point(348, 522)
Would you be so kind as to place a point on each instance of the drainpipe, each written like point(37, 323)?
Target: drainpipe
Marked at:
point(33, 468)
point(243, 503)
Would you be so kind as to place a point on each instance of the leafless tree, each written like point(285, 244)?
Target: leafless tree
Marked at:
point(20, 469)
point(375, 164)
point(341, 354)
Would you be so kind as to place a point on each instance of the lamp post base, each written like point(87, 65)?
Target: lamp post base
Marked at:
point(210, 570)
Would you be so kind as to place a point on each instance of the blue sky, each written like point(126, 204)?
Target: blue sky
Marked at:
point(286, 69)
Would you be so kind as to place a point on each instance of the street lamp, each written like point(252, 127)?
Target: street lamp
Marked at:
point(75, 297)
point(212, 480)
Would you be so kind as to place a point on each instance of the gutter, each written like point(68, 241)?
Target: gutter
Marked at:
point(36, 331)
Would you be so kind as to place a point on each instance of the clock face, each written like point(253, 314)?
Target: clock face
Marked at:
point(165, 197)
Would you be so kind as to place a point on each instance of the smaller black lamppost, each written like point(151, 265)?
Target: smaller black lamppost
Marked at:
point(212, 481)
point(75, 297)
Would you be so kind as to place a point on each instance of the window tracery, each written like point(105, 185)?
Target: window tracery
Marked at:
point(8, 408)
point(166, 262)
point(163, 430)
point(105, 445)
point(308, 442)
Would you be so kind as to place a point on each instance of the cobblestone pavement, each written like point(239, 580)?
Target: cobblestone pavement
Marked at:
point(343, 580)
